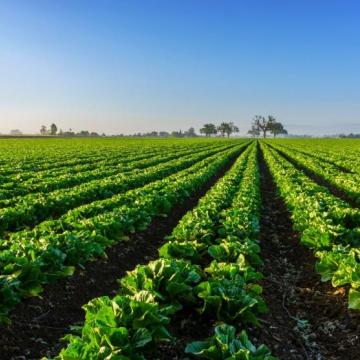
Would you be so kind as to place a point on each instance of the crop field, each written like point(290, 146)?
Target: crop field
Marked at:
point(233, 249)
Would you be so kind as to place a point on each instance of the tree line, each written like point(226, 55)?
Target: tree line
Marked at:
point(223, 128)
point(350, 136)
point(163, 134)
point(261, 126)
point(53, 130)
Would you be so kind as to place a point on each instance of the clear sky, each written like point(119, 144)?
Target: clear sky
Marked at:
point(123, 66)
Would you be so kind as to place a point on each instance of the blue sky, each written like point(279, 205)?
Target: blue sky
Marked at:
point(127, 66)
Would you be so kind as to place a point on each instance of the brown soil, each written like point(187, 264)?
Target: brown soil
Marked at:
point(307, 319)
point(185, 327)
point(38, 323)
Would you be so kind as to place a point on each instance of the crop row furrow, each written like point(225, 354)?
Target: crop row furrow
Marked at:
point(85, 217)
point(220, 232)
point(19, 178)
point(345, 182)
point(72, 159)
point(327, 224)
point(345, 158)
point(33, 261)
point(113, 158)
point(32, 209)
point(69, 179)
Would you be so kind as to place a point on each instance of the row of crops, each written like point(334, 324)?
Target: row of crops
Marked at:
point(327, 224)
point(45, 235)
point(208, 263)
point(65, 202)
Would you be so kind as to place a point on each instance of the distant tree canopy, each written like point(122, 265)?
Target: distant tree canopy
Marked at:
point(254, 131)
point(277, 128)
point(53, 129)
point(227, 128)
point(264, 125)
point(350, 136)
point(208, 130)
point(177, 134)
point(43, 130)
point(190, 133)
point(261, 125)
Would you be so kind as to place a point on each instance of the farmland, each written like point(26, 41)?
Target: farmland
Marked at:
point(180, 248)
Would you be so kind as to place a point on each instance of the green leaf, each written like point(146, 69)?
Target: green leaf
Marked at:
point(196, 347)
point(354, 299)
point(141, 337)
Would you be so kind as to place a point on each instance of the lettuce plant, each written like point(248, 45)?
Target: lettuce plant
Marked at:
point(170, 281)
point(225, 345)
point(189, 250)
point(119, 328)
point(231, 299)
point(232, 249)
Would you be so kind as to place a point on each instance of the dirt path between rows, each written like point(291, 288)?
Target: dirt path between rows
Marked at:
point(307, 319)
point(38, 323)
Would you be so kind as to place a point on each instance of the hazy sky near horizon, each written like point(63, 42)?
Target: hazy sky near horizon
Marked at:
point(123, 66)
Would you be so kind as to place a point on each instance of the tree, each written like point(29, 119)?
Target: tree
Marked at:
point(208, 130)
point(277, 128)
point(177, 134)
point(69, 133)
point(222, 128)
point(231, 128)
point(227, 128)
point(190, 133)
point(262, 124)
point(43, 130)
point(53, 129)
point(254, 131)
